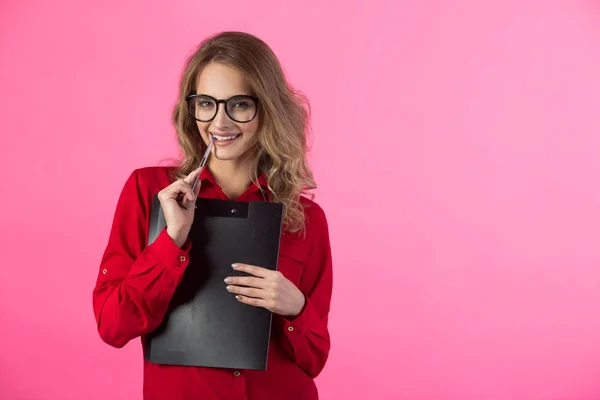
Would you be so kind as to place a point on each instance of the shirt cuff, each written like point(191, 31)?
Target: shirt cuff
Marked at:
point(303, 321)
point(168, 253)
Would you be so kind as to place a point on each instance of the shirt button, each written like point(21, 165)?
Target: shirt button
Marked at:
point(104, 271)
point(290, 328)
point(182, 258)
point(236, 373)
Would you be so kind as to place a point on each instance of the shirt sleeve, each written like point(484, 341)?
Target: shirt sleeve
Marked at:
point(135, 282)
point(306, 337)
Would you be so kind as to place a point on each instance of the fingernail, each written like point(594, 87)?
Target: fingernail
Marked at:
point(228, 280)
point(229, 288)
point(235, 265)
point(238, 297)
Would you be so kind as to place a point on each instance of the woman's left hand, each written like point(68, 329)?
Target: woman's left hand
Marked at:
point(267, 289)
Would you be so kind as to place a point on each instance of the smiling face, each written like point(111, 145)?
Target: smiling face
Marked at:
point(234, 141)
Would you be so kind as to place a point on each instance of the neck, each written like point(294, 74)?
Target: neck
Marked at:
point(233, 177)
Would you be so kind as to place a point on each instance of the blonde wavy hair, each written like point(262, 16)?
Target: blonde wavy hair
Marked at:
point(284, 120)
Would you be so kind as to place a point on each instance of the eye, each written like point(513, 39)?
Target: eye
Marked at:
point(205, 104)
point(243, 104)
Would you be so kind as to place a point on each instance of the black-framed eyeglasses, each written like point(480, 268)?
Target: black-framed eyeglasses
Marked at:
point(239, 108)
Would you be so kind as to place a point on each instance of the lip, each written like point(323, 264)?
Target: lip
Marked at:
point(225, 142)
point(224, 134)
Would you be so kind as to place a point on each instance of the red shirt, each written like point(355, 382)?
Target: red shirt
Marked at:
point(136, 283)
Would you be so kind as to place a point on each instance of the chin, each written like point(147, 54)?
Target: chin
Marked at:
point(230, 154)
point(226, 157)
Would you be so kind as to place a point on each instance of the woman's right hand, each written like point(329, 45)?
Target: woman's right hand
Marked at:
point(179, 219)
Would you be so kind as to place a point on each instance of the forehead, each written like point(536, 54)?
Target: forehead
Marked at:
point(222, 81)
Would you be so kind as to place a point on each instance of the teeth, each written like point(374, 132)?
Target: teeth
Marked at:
point(225, 137)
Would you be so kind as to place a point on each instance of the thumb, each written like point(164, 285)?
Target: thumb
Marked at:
point(193, 176)
point(197, 188)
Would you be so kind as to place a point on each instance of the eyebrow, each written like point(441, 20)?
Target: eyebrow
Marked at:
point(224, 98)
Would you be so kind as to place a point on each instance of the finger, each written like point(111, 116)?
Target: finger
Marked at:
point(192, 176)
point(178, 190)
point(195, 184)
point(196, 189)
point(253, 270)
point(254, 302)
point(177, 186)
point(250, 292)
point(188, 204)
point(249, 281)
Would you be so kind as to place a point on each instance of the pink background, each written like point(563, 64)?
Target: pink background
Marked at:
point(456, 147)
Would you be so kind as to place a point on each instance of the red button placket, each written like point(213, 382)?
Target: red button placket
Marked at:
point(239, 385)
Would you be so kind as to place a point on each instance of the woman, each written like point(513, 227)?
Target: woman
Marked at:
point(233, 90)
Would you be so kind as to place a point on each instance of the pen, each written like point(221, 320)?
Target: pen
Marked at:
point(204, 160)
point(202, 165)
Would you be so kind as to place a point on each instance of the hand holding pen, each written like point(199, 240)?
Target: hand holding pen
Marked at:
point(177, 199)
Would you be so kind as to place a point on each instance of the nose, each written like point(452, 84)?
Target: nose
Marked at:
point(222, 120)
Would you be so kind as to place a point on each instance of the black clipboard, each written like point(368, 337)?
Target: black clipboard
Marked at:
point(205, 325)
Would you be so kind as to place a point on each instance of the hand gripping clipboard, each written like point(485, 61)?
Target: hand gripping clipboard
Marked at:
point(205, 325)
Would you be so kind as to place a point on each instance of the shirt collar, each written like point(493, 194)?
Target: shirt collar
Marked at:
point(262, 181)
point(206, 175)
